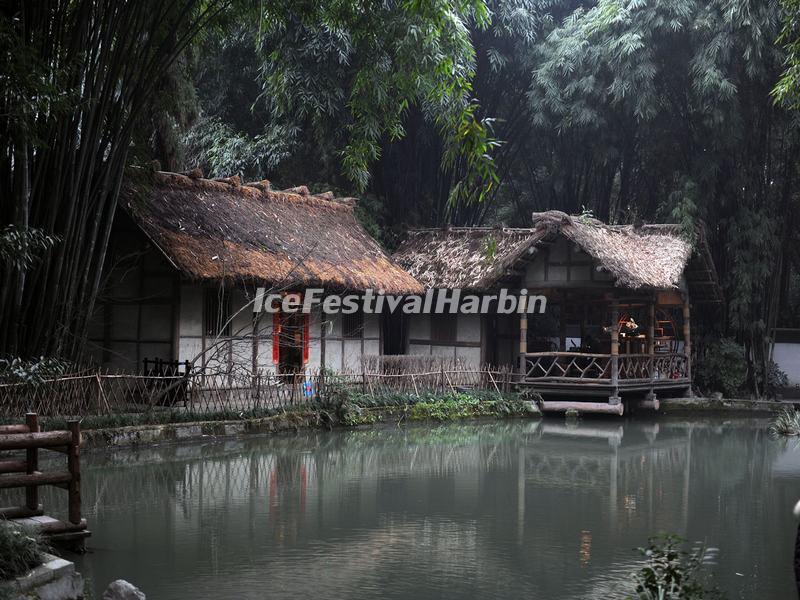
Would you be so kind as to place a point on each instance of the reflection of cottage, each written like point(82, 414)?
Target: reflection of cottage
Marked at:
point(187, 254)
point(618, 301)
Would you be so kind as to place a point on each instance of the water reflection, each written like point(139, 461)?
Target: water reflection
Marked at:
point(513, 509)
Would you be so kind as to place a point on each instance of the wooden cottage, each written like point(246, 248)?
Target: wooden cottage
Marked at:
point(187, 255)
point(618, 301)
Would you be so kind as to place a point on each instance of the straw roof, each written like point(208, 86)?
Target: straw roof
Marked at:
point(646, 257)
point(219, 229)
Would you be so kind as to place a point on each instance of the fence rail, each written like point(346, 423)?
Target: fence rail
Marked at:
point(213, 392)
point(25, 473)
point(576, 367)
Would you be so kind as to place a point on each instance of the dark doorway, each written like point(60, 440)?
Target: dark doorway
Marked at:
point(291, 343)
point(395, 332)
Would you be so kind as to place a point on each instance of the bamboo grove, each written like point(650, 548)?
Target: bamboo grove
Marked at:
point(468, 113)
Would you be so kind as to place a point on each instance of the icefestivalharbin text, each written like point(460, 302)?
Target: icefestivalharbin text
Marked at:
point(375, 302)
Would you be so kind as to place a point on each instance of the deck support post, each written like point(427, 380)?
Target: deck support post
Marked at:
point(523, 335)
point(32, 463)
point(651, 343)
point(687, 340)
point(614, 397)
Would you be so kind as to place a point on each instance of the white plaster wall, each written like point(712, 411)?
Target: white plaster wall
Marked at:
point(471, 357)
point(352, 355)
point(468, 328)
point(314, 345)
point(333, 356)
point(241, 314)
point(448, 352)
point(787, 356)
point(189, 349)
point(417, 349)
point(191, 321)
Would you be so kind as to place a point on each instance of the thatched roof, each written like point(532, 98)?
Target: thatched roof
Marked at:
point(220, 229)
point(646, 257)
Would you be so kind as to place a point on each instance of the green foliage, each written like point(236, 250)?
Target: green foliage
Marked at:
point(17, 370)
point(357, 408)
point(787, 422)
point(776, 377)
point(787, 90)
point(23, 248)
point(490, 248)
point(325, 61)
point(221, 152)
point(20, 551)
point(672, 573)
point(723, 368)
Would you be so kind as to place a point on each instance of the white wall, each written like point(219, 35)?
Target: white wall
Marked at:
point(467, 348)
point(787, 357)
point(344, 354)
point(561, 263)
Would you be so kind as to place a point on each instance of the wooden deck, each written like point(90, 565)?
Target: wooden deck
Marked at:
point(577, 374)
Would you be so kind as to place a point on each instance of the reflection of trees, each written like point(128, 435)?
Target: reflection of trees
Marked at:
point(484, 504)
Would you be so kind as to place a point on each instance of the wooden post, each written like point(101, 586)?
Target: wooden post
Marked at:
point(32, 463)
point(523, 335)
point(651, 341)
point(687, 340)
point(614, 398)
point(74, 466)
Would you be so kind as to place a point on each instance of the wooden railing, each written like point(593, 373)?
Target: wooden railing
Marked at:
point(576, 367)
point(568, 365)
point(19, 473)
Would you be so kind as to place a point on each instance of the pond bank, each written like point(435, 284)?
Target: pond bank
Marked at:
point(298, 420)
point(347, 416)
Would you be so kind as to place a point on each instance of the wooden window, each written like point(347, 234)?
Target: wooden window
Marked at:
point(216, 312)
point(443, 328)
point(353, 325)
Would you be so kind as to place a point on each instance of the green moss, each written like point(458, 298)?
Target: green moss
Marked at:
point(20, 551)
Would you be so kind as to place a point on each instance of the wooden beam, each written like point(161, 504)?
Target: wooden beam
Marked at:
point(52, 478)
point(523, 335)
point(583, 407)
point(32, 462)
point(13, 466)
point(615, 350)
point(48, 439)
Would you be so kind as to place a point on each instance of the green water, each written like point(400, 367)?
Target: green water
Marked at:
point(515, 509)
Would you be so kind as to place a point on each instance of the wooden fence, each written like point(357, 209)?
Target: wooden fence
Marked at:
point(25, 473)
point(205, 392)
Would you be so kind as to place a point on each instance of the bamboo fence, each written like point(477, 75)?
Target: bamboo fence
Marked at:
point(103, 393)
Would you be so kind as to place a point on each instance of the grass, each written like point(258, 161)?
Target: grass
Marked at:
point(20, 551)
point(353, 407)
point(159, 417)
point(787, 423)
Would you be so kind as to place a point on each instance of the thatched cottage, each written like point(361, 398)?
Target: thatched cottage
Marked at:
point(188, 254)
point(618, 312)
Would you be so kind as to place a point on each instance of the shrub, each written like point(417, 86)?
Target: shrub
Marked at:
point(670, 572)
point(776, 378)
point(20, 551)
point(723, 368)
point(16, 370)
point(787, 422)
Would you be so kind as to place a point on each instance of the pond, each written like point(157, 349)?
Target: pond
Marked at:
point(466, 510)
